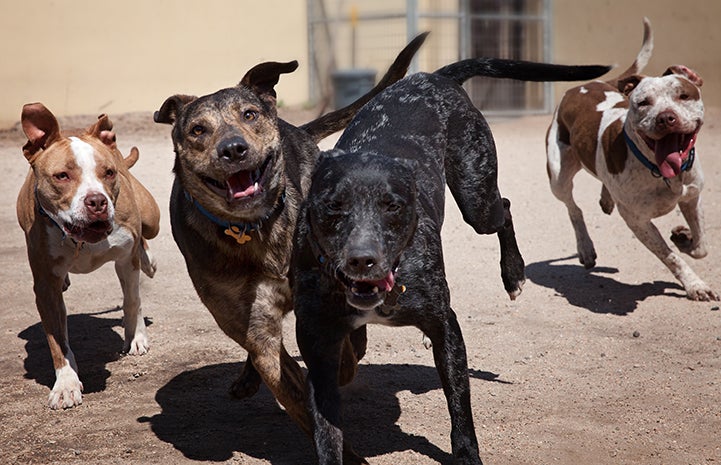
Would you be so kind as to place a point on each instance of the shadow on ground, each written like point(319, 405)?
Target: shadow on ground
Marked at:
point(93, 340)
point(593, 289)
point(201, 420)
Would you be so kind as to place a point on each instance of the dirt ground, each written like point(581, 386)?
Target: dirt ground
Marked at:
point(609, 366)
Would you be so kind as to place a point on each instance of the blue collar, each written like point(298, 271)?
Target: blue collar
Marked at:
point(237, 231)
point(647, 163)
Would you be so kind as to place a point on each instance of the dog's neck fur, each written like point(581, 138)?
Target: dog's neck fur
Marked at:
point(237, 231)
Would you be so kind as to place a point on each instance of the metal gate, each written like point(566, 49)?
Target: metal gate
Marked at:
point(367, 34)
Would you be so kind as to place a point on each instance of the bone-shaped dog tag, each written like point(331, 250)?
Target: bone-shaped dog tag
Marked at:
point(240, 236)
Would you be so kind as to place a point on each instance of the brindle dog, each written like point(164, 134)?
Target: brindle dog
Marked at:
point(240, 175)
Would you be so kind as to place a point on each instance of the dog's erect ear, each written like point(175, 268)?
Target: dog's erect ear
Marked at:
point(103, 130)
point(686, 72)
point(626, 85)
point(262, 78)
point(40, 127)
point(169, 110)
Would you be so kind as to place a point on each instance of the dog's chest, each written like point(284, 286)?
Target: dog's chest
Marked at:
point(639, 190)
point(83, 257)
point(382, 316)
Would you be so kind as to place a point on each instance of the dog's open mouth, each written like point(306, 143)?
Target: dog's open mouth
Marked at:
point(671, 151)
point(243, 184)
point(367, 294)
point(89, 232)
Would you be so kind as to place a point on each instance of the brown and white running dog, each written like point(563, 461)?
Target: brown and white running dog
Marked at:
point(637, 135)
point(80, 208)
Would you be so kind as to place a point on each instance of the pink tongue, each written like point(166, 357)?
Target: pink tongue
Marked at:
point(240, 185)
point(668, 155)
point(387, 283)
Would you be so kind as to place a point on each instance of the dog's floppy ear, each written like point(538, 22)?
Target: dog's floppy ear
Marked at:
point(627, 84)
point(263, 77)
point(103, 130)
point(132, 157)
point(332, 153)
point(686, 72)
point(40, 127)
point(408, 163)
point(169, 110)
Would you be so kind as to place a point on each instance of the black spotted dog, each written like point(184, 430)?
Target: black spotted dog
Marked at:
point(368, 245)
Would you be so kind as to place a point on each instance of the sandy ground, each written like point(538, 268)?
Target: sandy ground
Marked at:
point(612, 366)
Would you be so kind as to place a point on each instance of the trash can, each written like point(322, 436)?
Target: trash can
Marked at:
point(350, 84)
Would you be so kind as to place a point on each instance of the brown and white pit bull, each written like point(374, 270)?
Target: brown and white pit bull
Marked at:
point(637, 135)
point(80, 208)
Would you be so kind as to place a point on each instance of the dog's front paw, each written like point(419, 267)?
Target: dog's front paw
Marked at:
point(138, 346)
point(701, 292)
point(587, 257)
point(682, 237)
point(67, 390)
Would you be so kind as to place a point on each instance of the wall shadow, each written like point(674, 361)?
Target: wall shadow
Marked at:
point(593, 289)
point(203, 422)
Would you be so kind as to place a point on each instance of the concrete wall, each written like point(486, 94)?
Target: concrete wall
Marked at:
point(97, 56)
point(610, 32)
point(94, 56)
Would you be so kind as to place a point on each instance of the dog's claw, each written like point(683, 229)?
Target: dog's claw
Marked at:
point(138, 346)
point(67, 391)
point(702, 293)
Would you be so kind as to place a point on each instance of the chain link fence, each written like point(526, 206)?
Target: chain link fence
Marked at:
point(360, 37)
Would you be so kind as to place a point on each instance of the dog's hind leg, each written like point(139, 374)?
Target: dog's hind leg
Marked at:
point(512, 265)
point(471, 175)
point(247, 383)
point(607, 204)
point(136, 338)
point(354, 348)
point(562, 165)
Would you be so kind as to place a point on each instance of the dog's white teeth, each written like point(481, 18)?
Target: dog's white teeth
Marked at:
point(354, 290)
point(255, 187)
point(375, 290)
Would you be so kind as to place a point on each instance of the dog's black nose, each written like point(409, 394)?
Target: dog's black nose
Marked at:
point(361, 261)
point(232, 149)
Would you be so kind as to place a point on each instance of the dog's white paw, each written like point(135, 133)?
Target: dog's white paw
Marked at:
point(427, 342)
point(138, 346)
point(67, 390)
point(701, 291)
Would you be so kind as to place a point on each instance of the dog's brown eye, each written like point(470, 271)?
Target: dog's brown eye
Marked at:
point(63, 176)
point(683, 96)
point(334, 206)
point(250, 115)
point(109, 174)
point(392, 207)
point(644, 103)
point(198, 130)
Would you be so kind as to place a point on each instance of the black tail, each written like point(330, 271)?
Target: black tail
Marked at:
point(329, 123)
point(463, 70)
